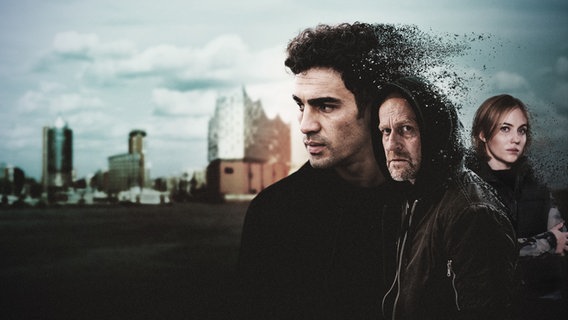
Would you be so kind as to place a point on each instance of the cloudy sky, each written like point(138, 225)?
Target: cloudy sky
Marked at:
point(108, 67)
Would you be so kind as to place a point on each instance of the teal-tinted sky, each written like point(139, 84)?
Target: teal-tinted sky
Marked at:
point(111, 66)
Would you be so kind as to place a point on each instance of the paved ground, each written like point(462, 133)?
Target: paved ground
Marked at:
point(149, 262)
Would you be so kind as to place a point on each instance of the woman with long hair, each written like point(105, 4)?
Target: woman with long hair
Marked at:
point(501, 135)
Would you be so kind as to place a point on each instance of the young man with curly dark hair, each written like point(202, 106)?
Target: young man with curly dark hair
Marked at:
point(311, 242)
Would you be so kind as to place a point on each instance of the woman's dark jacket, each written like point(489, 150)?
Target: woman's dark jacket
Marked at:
point(529, 203)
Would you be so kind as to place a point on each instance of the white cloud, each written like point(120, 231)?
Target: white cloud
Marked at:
point(225, 60)
point(30, 101)
point(267, 64)
point(33, 100)
point(156, 59)
point(276, 99)
point(95, 124)
point(116, 48)
point(221, 53)
point(54, 98)
point(224, 51)
point(509, 81)
point(73, 101)
point(48, 86)
point(21, 136)
point(176, 103)
point(175, 129)
point(74, 43)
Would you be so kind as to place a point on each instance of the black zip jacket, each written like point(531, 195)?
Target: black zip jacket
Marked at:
point(456, 253)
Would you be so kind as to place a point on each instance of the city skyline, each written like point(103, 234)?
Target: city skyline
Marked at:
point(108, 68)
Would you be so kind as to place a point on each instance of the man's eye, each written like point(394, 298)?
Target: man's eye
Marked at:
point(301, 107)
point(385, 132)
point(326, 108)
point(406, 130)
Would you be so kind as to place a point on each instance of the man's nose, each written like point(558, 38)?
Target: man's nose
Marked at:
point(309, 121)
point(393, 142)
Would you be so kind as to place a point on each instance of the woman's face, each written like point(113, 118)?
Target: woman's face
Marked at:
point(508, 143)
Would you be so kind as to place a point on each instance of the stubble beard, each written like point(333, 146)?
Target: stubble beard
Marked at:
point(406, 173)
point(322, 162)
point(324, 159)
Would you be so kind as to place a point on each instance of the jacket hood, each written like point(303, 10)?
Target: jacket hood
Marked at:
point(440, 128)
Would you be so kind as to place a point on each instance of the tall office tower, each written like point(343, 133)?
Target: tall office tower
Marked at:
point(136, 145)
point(129, 170)
point(57, 173)
point(136, 141)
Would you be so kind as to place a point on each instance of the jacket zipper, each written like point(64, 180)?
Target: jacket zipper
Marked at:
point(451, 274)
point(400, 254)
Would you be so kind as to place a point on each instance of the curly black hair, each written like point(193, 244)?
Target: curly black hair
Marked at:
point(369, 55)
point(338, 47)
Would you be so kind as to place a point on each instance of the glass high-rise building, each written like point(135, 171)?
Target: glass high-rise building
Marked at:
point(57, 173)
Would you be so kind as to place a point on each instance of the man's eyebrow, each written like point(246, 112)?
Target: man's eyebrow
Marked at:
point(411, 121)
point(323, 100)
point(405, 122)
point(318, 101)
